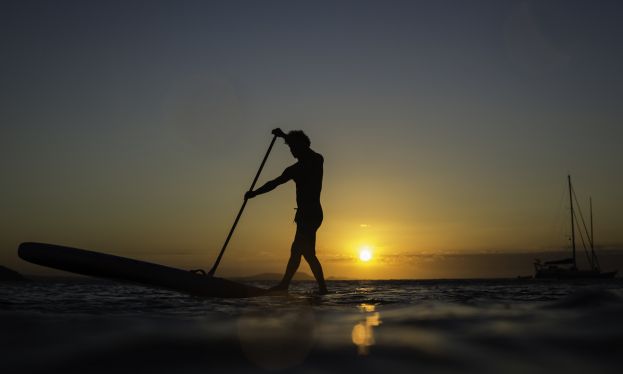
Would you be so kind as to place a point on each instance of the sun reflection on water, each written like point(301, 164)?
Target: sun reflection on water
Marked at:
point(363, 335)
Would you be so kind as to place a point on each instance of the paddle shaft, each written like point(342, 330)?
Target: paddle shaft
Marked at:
point(220, 255)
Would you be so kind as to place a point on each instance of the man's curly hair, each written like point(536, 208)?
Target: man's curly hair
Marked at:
point(298, 138)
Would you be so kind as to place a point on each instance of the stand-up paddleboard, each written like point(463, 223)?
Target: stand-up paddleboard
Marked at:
point(120, 268)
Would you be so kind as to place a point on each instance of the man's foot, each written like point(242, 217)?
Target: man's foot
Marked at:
point(323, 291)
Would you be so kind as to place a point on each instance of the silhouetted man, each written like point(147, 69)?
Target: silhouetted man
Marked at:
point(307, 174)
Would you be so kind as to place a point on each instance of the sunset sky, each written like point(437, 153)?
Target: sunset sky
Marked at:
point(447, 127)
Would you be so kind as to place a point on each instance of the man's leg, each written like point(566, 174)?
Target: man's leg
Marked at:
point(293, 264)
point(316, 269)
point(304, 244)
point(308, 248)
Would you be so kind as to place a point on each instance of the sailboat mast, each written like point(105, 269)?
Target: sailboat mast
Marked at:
point(572, 223)
point(590, 205)
point(592, 239)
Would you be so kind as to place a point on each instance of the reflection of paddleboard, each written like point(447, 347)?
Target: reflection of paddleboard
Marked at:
point(126, 269)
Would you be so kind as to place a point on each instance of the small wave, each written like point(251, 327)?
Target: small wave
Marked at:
point(587, 298)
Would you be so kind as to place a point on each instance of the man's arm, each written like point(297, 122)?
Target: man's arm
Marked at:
point(270, 185)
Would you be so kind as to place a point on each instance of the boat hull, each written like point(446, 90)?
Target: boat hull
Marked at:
point(573, 274)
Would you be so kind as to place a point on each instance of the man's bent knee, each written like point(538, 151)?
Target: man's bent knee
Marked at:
point(310, 257)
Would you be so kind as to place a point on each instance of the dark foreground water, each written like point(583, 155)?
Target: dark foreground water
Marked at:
point(489, 326)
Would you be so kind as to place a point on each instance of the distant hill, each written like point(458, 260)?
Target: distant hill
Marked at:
point(274, 277)
point(339, 278)
point(7, 274)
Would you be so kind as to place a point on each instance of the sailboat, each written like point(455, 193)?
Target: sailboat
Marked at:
point(567, 268)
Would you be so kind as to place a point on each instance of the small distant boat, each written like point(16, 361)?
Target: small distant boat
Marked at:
point(567, 268)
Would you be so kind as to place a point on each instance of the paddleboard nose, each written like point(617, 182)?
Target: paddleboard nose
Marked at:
point(24, 250)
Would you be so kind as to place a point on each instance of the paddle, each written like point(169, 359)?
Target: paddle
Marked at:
point(218, 259)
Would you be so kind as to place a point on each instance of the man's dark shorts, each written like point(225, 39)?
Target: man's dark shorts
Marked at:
point(307, 223)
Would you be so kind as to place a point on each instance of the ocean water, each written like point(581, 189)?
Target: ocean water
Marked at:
point(449, 326)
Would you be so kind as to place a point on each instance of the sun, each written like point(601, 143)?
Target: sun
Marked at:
point(365, 254)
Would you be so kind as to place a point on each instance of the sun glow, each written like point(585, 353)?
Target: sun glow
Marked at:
point(365, 254)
